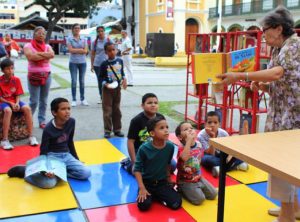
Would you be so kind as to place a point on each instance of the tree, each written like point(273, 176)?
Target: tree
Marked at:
point(58, 8)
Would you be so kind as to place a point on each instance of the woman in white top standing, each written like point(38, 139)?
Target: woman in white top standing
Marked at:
point(78, 49)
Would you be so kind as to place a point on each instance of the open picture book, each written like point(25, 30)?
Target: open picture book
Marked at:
point(46, 164)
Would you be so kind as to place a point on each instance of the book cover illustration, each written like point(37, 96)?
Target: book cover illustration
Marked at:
point(241, 60)
point(47, 164)
point(205, 67)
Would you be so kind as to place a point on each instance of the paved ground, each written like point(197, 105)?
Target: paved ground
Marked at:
point(167, 83)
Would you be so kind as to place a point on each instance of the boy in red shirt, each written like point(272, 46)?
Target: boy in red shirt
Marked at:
point(10, 91)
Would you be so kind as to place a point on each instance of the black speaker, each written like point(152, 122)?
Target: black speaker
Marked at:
point(160, 44)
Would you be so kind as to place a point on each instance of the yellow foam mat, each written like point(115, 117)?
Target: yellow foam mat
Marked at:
point(241, 204)
point(253, 175)
point(18, 198)
point(97, 152)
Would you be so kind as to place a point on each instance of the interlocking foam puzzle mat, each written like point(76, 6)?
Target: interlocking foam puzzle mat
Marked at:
point(110, 193)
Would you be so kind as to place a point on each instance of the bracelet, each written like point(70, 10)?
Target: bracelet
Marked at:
point(247, 77)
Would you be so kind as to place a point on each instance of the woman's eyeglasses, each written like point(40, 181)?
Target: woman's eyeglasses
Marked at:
point(265, 29)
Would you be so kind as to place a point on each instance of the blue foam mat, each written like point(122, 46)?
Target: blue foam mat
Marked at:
point(109, 185)
point(120, 144)
point(59, 216)
point(261, 188)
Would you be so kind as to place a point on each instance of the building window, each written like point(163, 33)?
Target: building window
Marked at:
point(7, 16)
point(246, 6)
point(13, 7)
point(160, 5)
point(267, 4)
point(292, 3)
point(228, 7)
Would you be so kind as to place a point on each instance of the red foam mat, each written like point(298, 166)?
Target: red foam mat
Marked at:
point(130, 212)
point(19, 155)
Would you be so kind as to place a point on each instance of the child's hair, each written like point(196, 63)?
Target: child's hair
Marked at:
point(178, 128)
point(148, 95)
point(152, 123)
point(6, 63)
point(212, 113)
point(55, 103)
point(106, 45)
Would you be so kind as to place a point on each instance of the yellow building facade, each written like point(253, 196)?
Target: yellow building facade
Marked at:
point(8, 15)
point(171, 16)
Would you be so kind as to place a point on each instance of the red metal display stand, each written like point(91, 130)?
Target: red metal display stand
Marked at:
point(227, 42)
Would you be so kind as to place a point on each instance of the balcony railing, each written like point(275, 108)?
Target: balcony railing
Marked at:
point(252, 7)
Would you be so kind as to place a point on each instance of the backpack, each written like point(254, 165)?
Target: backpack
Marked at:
point(2, 50)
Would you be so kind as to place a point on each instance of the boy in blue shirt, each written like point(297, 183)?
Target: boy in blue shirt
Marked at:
point(113, 77)
point(152, 168)
point(211, 158)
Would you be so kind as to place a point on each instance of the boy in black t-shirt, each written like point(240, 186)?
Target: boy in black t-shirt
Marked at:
point(137, 133)
point(113, 77)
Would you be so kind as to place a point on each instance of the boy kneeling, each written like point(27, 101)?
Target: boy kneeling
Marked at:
point(152, 168)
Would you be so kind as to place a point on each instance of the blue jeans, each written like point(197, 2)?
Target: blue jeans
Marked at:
point(209, 161)
point(39, 95)
point(81, 67)
point(99, 78)
point(75, 169)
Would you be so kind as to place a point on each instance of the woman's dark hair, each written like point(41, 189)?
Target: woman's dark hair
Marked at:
point(6, 63)
point(148, 95)
point(152, 123)
point(74, 25)
point(96, 40)
point(106, 45)
point(280, 16)
point(55, 103)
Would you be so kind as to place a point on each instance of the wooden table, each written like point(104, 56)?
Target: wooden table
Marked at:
point(277, 153)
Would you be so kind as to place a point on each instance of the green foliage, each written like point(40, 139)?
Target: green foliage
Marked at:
point(57, 8)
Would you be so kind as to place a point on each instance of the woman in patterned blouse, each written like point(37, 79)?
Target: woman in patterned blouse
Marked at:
point(282, 81)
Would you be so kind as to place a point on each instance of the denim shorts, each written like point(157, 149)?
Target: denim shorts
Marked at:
point(5, 105)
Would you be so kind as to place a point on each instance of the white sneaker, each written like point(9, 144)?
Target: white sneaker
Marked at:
point(84, 103)
point(243, 166)
point(6, 145)
point(73, 103)
point(33, 141)
point(215, 171)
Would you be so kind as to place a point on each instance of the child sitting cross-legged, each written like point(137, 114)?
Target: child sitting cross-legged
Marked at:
point(57, 142)
point(211, 158)
point(152, 168)
point(189, 179)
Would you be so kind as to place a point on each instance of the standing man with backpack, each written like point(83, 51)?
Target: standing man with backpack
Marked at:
point(98, 55)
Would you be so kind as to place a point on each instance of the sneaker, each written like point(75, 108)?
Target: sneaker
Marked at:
point(84, 103)
point(243, 166)
point(17, 171)
point(275, 212)
point(107, 135)
point(215, 171)
point(42, 125)
point(6, 145)
point(33, 141)
point(73, 103)
point(119, 134)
